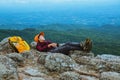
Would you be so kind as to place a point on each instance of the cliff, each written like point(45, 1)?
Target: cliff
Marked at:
point(35, 65)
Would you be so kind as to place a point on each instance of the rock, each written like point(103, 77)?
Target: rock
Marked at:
point(33, 44)
point(42, 57)
point(17, 58)
point(37, 78)
point(97, 64)
point(28, 54)
point(7, 61)
point(109, 58)
point(81, 57)
point(8, 69)
point(1, 53)
point(84, 70)
point(30, 58)
point(81, 53)
point(110, 76)
point(83, 77)
point(34, 78)
point(100, 63)
point(34, 72)
point(21, 76)
point(59, 62)
point(106, 63)
point(4, 41)
point(84, 60)
point(5, 47)
point(78, 65)
point(69, 76)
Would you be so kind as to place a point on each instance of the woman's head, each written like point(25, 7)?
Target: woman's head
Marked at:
point(41, 37)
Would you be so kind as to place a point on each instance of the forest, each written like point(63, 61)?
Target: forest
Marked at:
point(106, 39)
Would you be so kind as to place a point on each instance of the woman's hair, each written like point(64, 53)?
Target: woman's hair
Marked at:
point(41, 33)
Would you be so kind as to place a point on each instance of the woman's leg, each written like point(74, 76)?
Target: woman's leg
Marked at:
point(84, 46)
point(75, 44)
point(67, 47)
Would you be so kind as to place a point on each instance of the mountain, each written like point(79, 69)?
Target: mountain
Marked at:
point(46, 17)
point(105, 38)
point(35, 65)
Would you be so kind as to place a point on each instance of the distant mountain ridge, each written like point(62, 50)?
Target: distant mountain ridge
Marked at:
point(105, 39)
point(57, 26)
point(40, 18)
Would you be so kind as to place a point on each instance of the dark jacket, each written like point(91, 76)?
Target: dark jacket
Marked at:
point(43, 46)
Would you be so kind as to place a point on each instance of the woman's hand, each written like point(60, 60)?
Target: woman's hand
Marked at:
point(52, 45)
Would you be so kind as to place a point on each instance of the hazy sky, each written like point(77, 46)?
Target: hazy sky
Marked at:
point(23, 2)
point(60, 10)
point(37, 5)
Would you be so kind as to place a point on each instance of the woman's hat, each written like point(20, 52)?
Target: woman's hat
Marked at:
point(38, 35)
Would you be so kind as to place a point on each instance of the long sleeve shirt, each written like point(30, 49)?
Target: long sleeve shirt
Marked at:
point(43, 46)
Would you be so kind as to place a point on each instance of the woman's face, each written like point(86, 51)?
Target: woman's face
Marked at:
point(41, 38)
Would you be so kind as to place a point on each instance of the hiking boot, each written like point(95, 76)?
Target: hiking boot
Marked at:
point(87, 45)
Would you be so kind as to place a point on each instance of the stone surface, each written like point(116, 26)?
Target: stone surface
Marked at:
point(42, 57)
point(110, 58)
point(78, 65)
point(59, 62)
point(69, 76)
point(17, 58)
point(105, 63)
point(34, 78)
point(110, 76)
point(34, 72)
point(33, 44)
point(83, 77)
point(81, 53)
point(8, 69)
point(5, 47)
point(4, 41)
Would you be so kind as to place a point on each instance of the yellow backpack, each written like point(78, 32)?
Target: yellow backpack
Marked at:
point(18, 44)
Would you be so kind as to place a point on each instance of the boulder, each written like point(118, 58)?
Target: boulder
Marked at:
point(81, 53)
point(81, 57)
point(30, 58)
point(5, 47)
point(84, 60)
point(28, 54)
point(69, 76)
point(34, 72)
point(100, 63)
point(37, 78)
point(84, 77)
point(84, 70)
point(97, 64)
point(42, 57)
point(33, 44)
point(17, 58)
point(34, 78)
point(8, 69)
point(59, 62)
point(110, 76)
point(106, 63)
point(109, 58)
point(4, 41)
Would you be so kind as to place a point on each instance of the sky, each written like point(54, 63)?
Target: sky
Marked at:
point(59, 9)
point(37, 5)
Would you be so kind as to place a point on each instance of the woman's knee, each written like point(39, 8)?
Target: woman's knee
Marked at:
point(67, 43)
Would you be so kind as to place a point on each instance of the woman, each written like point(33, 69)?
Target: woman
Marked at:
point(48, 46)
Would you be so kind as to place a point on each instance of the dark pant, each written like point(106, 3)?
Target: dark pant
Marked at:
point(67, 47)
